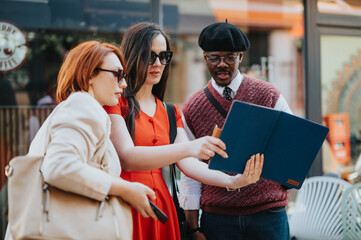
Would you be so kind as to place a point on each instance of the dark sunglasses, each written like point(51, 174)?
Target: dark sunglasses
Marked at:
point(118, 74)
point(164, 57)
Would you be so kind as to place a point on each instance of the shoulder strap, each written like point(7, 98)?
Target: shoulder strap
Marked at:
point(172, 121)
point(172, 135)
point(215, 103)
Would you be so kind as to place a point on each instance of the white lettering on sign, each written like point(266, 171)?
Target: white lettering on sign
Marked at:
point(13, 47)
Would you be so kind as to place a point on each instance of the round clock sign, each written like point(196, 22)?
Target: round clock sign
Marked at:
point(13, 46)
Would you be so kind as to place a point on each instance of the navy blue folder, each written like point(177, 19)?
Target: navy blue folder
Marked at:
point(289, 143)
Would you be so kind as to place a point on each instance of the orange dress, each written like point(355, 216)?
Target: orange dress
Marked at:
point(152, 131)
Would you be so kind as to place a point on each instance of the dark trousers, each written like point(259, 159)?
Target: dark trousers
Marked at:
point(268, 224)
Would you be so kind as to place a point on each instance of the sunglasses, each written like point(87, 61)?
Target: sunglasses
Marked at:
point(164, 57)
point(118, 74)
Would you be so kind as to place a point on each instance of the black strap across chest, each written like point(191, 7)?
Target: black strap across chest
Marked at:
point(214, 102)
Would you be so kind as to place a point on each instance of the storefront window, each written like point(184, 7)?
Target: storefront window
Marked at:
point(52, 27)
point(341, 100)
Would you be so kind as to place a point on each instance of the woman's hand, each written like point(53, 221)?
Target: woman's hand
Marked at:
point(206, 147)
point(251, 173)
point(136, 194)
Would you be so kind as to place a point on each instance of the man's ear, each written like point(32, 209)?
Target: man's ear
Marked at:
point(240, 57)
point(204, 56)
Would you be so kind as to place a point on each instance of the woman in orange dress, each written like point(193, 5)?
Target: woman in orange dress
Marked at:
point(147, 53)
point(152, 131)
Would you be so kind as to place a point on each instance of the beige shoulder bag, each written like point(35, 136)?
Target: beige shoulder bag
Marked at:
point(40, 211)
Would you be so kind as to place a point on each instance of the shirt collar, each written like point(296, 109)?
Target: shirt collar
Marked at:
point(234, 84)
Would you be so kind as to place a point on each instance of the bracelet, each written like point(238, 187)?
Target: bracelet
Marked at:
point(228, 188)
point(194, 230)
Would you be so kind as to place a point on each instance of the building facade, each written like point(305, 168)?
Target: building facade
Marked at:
point(309, 49)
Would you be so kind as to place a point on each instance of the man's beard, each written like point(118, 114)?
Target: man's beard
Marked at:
point(225, 84)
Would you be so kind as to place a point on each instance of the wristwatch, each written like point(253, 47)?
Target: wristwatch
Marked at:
point(194, 230)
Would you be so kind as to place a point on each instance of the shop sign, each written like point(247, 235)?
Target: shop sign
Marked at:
point(13, 46)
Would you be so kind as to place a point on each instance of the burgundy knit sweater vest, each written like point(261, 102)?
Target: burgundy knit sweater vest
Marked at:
point(201, 117)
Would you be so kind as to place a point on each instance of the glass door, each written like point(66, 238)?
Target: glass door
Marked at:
point(340, 56)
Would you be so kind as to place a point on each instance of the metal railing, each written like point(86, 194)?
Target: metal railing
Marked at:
point(18, 126)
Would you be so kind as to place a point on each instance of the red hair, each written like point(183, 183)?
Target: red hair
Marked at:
point(79, 66)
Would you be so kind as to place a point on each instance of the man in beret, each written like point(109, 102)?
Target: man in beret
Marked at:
point(256, 211)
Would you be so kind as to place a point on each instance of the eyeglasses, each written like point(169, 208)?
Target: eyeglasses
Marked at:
point(164, 57)
point(228, 59)
point(118, 74)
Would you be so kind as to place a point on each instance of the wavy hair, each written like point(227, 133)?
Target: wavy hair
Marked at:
point(136, 46)
point(79, 66)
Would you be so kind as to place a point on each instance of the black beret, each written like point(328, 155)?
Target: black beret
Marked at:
point(223, 37)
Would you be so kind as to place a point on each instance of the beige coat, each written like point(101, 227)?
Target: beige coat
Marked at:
point(76, 127)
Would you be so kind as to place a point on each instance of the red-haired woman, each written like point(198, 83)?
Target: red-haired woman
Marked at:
point(92, 75)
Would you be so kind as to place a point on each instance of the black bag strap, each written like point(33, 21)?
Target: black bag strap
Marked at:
point(172, 121)
point(172, 135)
point(215, 103)
point(183, 226)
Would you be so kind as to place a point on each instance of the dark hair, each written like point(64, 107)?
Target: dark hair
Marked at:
point(136, 46)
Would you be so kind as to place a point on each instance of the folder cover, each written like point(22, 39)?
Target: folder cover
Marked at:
point(289, 143)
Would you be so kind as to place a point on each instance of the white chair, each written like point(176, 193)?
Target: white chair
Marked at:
point(351, 213)
point(317, 211)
